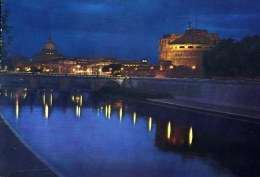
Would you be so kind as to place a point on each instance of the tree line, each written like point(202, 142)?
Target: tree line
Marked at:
point(232, 58)
point(6, 38)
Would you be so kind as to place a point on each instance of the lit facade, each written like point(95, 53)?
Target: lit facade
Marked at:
point(187, 49)
point(93, 65)
point(135, 67)
point(58, 66)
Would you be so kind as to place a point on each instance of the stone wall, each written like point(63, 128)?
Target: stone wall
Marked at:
point(238, 94)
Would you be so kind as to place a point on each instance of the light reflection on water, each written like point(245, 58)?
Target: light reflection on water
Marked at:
point(83, 135)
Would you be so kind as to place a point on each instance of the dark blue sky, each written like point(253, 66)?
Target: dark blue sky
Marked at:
point(125, 29)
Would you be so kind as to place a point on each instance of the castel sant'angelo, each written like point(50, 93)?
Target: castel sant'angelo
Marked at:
point(186, 49)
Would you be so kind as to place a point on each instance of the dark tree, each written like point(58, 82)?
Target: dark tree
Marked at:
point(114, 68)
point(231, 58)
point(5, 34)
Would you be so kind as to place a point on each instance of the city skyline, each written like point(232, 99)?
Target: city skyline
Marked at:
point(121, 29)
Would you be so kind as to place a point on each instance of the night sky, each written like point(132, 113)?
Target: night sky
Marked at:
point(125, 29)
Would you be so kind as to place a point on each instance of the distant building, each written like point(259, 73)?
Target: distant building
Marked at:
point(49, 53)
point(100, 66)
point(93, 65)
point(186, 49)
point(135, 67)
point(47, 60)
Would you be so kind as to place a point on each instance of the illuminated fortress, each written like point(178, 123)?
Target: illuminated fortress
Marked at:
point(186, 50)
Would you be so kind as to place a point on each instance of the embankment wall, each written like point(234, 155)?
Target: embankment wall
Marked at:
point(238, 94)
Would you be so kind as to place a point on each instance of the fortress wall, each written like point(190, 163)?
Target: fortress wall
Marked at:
point(238, 94)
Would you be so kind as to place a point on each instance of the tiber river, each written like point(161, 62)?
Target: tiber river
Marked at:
point(81, 134)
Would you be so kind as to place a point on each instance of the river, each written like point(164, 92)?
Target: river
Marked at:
point(78, 133)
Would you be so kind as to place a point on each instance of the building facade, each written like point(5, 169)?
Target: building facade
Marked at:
point(47, 60)
point(93, 65)
point(135, 67)
point(186, 49)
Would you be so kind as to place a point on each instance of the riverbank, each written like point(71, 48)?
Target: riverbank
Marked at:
point(15, 158)
point(237, 94)
point(164, 99)
point(230, 112)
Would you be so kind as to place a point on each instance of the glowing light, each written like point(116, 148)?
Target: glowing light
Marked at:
point(46, 111)
point(80, 100)
point(43, 99)
point(193, 67)
point(72, 98)
point(51, 99)
point(109, 111)
point(24, 95)
point(120, 113)
point(77, 99)
point(27, 69)
point(190, 136)
point(17, 108)
point(106, 111)
point(78, 110)
point(169, 130)
point(134, 117)
point(150, 124)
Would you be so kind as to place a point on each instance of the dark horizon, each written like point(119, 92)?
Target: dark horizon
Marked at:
point(121, 29)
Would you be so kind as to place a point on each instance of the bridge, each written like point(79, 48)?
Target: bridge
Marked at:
point(59, 81)
point(230, 93)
